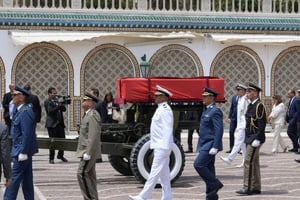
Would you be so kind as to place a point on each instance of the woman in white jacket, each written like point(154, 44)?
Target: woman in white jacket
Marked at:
point(276, 117)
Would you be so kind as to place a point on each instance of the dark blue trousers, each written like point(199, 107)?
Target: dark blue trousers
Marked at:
point(205, 166)
point(21, 173)
point(292, 133)
point(232, 127)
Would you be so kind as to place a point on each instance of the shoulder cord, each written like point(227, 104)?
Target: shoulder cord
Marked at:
point(252, 124)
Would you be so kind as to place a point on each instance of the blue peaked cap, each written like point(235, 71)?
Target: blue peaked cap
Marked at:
point(209, 92)
point(19, 90)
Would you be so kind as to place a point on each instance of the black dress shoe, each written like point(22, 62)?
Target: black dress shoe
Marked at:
point(243, 192)
point(99, 160)
point(255, 192)
point(51, 161)
point(229, 151)
point(62, 158)
point(298, 161)
point(248, 192)
point(292, 150)
point(215, 191)
point(189, 151)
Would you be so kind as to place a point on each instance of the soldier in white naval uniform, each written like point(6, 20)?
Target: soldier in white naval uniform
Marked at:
point(239, 143)
point(161, 132)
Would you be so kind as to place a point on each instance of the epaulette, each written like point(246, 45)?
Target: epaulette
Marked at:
point(25, 108)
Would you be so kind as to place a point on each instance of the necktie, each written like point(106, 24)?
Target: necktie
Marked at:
point(15, 111)
point(290, 102)
point(249, 106)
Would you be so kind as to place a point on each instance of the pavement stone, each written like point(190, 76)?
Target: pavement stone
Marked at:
point(280, 178)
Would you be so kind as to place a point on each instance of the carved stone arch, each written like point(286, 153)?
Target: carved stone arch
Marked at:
point(285, 72)
point(45, 65)
point(2, 73)
point(230, 57)
point(238, 64)
point(175, 60)
point(104, 64)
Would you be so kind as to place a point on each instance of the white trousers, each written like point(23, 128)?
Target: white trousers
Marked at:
point(239, 144)
point(277, 139)
point(160, 171)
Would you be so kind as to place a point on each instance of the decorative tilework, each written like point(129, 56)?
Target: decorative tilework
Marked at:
point(76, 107)
point(175, 61)
point(45, 65)
point(121, 22)
point(2, 81)
point(104, 64)
point(237, 64)
point(286, 72)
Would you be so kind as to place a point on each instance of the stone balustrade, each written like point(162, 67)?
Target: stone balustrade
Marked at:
point(279, 8)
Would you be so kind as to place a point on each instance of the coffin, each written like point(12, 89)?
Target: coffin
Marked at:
point(135, 90)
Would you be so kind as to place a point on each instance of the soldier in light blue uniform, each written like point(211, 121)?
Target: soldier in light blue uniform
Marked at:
point(209, 143)
point(23, 148)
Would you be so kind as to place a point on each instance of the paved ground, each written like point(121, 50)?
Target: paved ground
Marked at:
point(280, 178)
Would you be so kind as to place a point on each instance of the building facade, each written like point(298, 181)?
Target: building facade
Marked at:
point(73, 46)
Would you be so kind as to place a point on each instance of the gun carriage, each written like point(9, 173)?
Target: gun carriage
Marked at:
point(128, 144)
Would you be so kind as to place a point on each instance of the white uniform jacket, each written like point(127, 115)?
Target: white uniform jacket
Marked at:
point(161, 129)
point(278, 114)
point(241, 112)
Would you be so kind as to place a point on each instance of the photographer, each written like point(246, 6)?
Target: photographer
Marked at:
point(55, 125)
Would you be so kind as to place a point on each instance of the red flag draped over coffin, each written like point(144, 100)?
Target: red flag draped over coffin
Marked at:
point(135, 90)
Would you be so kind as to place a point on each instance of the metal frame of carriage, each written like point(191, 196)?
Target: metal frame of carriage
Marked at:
point(128, 144)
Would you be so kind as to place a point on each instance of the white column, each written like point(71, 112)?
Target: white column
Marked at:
point(205, 5)
point(8, 3)
point(142, 5)
point(76, 4)
point(267, 6)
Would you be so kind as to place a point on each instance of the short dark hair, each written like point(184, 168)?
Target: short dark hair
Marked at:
point(51, 89)
point(95, 91)
point(27, 87)
point(293, 91)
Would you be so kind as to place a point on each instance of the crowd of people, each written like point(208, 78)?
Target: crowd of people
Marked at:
point(247, 117)
point(22, 111)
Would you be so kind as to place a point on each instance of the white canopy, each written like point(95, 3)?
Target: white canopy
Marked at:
point(23, 37)
point(254, 38)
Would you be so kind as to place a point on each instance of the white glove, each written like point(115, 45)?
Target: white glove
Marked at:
point(255, 143)
point(213, 151)
point(86, 156)
point(22, 157)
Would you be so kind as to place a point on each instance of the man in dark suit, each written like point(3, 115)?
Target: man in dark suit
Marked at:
point(23, 148)
point(291, 119)
point(209, 143)
point(8, 106)
point(232, 120)
point(54, 121)
point(34, 101)
point(5, 158)
point(256, 120)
